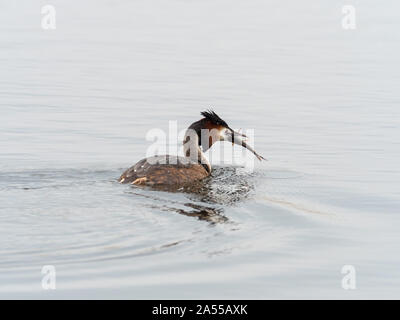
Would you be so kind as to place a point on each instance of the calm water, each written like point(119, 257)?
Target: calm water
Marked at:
point(76, 104)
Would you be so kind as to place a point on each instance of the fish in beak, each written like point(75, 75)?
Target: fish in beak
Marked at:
point(225, 133)
point(239, 139)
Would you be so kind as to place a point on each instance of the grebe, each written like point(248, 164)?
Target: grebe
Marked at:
point(174, 170)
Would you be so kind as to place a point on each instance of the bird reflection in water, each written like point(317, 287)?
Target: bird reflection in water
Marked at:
point(210, 197)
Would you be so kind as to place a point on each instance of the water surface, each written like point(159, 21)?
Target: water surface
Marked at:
point(76, 104)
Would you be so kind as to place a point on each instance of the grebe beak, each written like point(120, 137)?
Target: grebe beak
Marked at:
point(240, 139)
point(234, 133)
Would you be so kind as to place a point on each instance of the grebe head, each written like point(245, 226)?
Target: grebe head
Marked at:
point(209, 130)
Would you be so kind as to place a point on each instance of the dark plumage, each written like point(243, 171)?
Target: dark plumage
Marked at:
point(172, 170)
point(164, 170)
point(214, 118)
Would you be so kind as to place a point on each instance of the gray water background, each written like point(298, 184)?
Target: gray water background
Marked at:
point(76, 104)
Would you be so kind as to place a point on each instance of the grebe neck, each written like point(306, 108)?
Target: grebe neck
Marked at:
point(192, 150)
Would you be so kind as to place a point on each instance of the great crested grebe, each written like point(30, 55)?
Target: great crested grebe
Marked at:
point(174, 170)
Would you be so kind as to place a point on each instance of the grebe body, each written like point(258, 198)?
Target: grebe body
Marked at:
point(194, 166)
point(164, 170)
